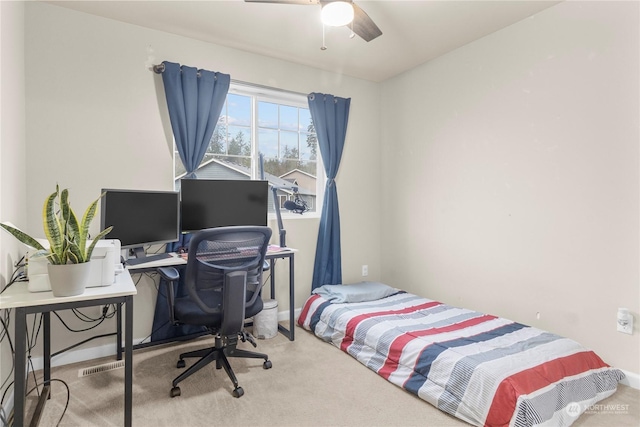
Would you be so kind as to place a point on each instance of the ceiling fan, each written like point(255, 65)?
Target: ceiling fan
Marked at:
point(357, 20)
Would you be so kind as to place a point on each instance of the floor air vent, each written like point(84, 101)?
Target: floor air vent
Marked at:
point(100, 368)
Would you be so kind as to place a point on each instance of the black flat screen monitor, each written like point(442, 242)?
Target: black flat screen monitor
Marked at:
point(141, 217)
point(209, 203)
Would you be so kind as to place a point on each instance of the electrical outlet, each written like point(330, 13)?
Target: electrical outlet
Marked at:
point(365, 270)
point(625, 329)
point(625, 321)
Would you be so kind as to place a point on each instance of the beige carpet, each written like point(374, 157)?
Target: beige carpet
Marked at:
point(311, 384)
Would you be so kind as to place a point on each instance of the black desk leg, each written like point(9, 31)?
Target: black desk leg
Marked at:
point(47, 347)
point(272, 278)
point(291, 299)
point(128, 361)
point(19, 388)
point(119, 330)
point(287, 332)
point(46, 362)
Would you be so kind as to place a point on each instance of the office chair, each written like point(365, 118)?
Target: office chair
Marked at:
point(223, 278)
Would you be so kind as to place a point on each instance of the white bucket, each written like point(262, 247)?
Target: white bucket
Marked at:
point(265, 323)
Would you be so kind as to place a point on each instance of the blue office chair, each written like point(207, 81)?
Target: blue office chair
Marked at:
point(223, 279)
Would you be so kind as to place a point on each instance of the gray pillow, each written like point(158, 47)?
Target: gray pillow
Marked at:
point(357, 292)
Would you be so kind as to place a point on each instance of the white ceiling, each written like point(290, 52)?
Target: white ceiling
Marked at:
point(414, 31)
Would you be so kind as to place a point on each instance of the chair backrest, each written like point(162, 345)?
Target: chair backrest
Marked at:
point(226, 255)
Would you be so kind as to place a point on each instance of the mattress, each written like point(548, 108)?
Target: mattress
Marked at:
point(480, 368)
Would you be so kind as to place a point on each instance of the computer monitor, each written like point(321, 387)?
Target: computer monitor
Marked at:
point(141, 217)
point(209, 203)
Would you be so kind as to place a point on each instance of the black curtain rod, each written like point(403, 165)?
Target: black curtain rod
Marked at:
point(159, 69)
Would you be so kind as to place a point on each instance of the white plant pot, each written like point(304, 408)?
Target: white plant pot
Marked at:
point(68, 279)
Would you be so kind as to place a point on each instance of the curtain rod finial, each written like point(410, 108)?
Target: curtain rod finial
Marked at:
point(159, 69)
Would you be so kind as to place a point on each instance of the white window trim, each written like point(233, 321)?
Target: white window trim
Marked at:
point(288, 98)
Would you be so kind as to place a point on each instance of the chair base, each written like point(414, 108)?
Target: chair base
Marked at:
point(219, 354)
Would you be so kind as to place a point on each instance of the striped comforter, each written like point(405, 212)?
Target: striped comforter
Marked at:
point(483, 369)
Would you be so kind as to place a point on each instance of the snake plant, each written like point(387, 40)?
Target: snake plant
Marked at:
point(68, 238)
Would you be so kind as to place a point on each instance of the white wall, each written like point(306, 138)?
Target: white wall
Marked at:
point(511, 175)
point(12, 152)
point(12, 130)
point(96, 118)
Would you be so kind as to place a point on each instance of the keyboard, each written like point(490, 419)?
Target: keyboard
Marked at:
point(148, 258)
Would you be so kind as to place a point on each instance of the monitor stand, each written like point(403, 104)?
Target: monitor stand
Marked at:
point(138, 252)
point(141, 257)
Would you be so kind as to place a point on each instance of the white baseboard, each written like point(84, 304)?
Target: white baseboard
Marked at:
point(74, 356)
point(283, 316)
point(632, 379)
point(83, 355)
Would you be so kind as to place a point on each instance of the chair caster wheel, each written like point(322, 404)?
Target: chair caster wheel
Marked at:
point(267, 364)
point(181, 363)
point(238, 392)
point(175, 391)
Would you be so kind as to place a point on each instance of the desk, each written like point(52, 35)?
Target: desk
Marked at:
point(272, 255)
point(24, 302)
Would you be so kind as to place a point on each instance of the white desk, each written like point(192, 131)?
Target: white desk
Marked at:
point(178, 261)
point(24, 302)
point(174, 260)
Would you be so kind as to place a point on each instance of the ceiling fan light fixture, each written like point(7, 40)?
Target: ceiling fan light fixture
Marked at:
point(337, 13)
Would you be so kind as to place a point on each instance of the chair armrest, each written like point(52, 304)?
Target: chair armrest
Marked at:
point(171, 276)
point(168, 273)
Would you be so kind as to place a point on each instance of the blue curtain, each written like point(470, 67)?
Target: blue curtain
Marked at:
point(330, 115)
point(195, 99)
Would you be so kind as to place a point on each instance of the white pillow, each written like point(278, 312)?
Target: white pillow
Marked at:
point(358, 292)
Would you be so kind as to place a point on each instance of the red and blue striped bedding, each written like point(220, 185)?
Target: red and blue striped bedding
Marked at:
point(483, 369)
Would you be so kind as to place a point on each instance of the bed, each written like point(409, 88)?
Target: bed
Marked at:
point(483, 369)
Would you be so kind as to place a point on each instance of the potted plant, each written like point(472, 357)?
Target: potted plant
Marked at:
point(69, 249)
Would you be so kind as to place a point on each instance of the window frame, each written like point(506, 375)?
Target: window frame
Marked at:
point(282, 97)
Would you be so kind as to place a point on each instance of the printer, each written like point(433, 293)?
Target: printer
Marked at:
point(105, 260)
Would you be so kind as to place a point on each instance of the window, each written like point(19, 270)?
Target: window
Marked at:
point(255, 122)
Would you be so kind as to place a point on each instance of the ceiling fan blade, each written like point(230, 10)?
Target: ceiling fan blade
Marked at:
point(363, 25)
point(284, 1)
